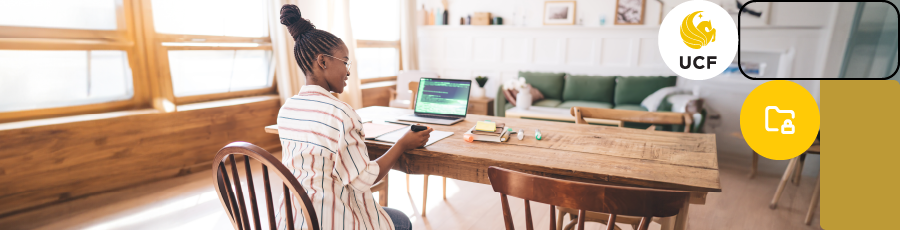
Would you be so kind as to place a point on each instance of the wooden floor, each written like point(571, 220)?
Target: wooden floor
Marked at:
point(190, 202)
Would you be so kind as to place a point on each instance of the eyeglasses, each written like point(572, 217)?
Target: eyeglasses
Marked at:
point(347, 62)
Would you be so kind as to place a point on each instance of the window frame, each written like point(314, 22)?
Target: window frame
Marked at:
point(381, 44)
point(124, 38)
point(147, 58)
point(159, 57)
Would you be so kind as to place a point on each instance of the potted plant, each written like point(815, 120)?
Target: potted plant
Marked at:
point(479, 92)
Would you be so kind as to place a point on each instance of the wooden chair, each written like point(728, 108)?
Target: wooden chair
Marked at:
point(232, 197)
point(616, 200)
point(414, 86)
point(652, 118)
point(398, 95)
point(621, 115)
point(793, 171)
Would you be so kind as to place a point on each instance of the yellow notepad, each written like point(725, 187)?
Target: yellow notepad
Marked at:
point(486, 126)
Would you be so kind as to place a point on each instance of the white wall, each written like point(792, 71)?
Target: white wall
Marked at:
point(499, 52)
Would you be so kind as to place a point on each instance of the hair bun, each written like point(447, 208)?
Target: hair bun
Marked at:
point(290, 17)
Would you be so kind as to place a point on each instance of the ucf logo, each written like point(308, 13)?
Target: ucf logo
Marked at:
point(696, 37)
point(691, 43)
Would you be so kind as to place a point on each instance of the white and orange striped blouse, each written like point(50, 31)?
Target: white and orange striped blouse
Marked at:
point(323, 146)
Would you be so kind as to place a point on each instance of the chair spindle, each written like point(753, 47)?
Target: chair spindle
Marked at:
point(507, 216)
point(552, 217)
point(581, 215)
point(235, 211)
point(240, 193)
point(528, 224)
point(611, 223)
point(287, 208)
point(645, 223)
point(252, 190)
point(269, 206)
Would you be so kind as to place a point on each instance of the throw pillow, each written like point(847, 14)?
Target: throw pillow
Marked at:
point(510, 95)
point(550, 84)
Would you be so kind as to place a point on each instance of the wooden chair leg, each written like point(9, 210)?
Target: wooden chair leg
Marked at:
point(796, 177)
point(559, 219)
point(813, 203)
point(784, 179)
point(666, 223)
point(445, 187)
point(753, 166)
point(424, 194)
point(383, 194)
point(682, 218)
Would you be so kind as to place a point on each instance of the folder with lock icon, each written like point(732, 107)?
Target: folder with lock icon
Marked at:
point(787, 127)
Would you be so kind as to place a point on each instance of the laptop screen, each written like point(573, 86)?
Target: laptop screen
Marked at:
point(443, 96)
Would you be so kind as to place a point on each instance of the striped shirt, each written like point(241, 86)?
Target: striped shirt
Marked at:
point(323, 146)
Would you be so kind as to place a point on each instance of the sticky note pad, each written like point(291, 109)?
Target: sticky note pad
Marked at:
point(486, 126)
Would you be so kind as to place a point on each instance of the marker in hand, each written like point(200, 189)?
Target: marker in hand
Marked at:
point(416, 128)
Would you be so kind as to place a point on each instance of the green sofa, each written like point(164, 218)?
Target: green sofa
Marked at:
point(609, 92)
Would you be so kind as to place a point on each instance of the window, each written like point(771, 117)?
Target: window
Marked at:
point(213, 49)
point(64, 14)
point(63, 57)
point(78, 77)
point(376, 28)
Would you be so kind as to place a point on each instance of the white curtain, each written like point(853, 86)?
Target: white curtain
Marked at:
point(408, 45)
point(331, 16)
point(339, 25)
point(288, 76)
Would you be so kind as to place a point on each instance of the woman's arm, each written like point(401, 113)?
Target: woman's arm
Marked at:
point(411, 140)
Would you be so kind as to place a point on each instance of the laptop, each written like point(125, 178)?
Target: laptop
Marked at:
point(440, 101)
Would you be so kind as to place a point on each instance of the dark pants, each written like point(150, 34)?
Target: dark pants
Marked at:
point(401, 221)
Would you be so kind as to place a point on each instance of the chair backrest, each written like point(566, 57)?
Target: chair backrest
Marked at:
point(232, 197)
point(414, 87)
point(615, 200)
point(653, 118)
point(407, 76)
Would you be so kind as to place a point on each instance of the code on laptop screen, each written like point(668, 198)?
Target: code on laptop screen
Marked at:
point(437, 96)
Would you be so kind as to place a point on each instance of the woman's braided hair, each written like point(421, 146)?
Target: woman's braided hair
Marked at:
point(309, 42)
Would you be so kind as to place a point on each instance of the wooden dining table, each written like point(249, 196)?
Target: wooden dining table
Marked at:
point(586, 153)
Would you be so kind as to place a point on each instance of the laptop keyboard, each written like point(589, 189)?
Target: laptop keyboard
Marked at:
point(437, 116)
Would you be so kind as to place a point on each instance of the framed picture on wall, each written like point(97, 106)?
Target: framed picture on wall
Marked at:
point(630, 12)
point(559, 13)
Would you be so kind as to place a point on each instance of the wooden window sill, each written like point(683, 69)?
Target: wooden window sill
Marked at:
point(101, 116)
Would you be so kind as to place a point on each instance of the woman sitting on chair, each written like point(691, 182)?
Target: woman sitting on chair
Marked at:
point(322, 138)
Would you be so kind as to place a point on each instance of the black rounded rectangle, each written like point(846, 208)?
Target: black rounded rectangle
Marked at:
point(740, 67)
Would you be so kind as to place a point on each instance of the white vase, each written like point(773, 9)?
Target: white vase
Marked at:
point(478, 92)
point(523, 99)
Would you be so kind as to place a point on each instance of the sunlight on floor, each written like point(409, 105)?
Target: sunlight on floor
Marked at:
point(173, 207)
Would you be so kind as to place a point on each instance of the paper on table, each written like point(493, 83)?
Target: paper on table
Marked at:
point(373, 130)
point(394, 136)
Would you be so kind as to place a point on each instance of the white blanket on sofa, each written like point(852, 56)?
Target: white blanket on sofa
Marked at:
point(651, 103)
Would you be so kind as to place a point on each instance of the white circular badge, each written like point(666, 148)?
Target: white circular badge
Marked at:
point(698, 40)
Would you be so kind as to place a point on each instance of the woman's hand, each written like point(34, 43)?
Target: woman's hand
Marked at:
point(412, 140)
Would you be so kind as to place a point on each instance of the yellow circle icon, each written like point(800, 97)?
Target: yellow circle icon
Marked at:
point(779, 120)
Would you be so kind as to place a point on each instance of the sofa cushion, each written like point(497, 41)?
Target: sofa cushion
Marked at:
point(550, 84)
point(630, 107)
point(588, 104)
point(547, 103)
point(589, 88)
point(633, 90)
